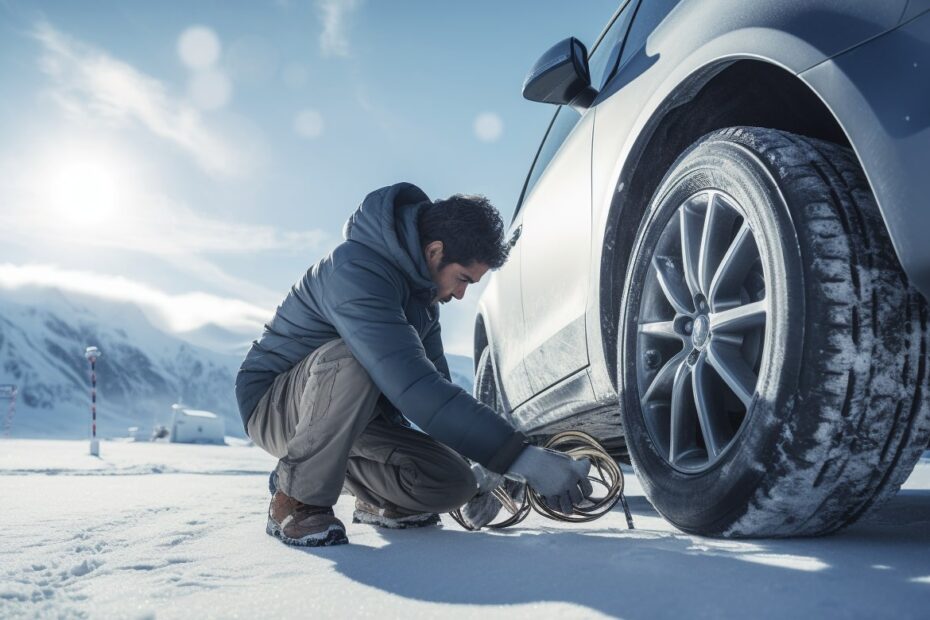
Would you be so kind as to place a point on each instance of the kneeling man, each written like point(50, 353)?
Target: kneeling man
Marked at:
point(354, 354)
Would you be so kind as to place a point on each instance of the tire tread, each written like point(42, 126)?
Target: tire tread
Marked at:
point(866, 396)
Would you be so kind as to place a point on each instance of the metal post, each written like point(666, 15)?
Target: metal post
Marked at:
point(92, 353)
point(10, 390)
point(94, 446)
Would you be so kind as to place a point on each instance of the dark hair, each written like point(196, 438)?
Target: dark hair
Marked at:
point(470, 228)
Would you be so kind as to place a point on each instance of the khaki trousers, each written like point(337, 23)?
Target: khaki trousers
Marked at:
point(322, 421)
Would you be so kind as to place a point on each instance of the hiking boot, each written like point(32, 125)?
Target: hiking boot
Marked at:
point(302, 525)
point(392, 518)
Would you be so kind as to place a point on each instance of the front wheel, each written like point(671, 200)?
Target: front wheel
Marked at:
point(773, 356)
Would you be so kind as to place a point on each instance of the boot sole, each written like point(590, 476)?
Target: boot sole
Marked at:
point(333, 535)
point(394, 524)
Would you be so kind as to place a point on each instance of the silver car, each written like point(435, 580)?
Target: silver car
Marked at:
point(721, 255)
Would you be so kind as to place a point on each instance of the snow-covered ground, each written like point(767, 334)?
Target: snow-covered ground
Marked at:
point(175, 531)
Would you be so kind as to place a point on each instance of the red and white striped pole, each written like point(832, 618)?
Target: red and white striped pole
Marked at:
point(92, 353)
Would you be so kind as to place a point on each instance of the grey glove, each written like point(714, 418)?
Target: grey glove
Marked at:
point(484, 507)
point(558, 478)
point(487, 480)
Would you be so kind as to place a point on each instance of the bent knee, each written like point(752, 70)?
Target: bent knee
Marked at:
point(450, 489)
point(336, 356)
point(460, 493)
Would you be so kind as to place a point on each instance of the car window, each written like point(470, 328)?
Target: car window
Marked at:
point(648, 16)
point(603, 58)
point(562, 124)
point(601, 62)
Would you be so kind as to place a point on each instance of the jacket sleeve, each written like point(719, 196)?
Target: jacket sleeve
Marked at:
point(363, 301)
point(434, 351)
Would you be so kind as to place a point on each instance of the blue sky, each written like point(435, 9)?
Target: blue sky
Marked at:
point(197, 157)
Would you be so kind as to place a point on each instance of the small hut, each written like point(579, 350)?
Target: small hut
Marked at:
point(196, 426)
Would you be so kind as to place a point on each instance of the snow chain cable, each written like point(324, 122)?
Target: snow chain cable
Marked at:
point(605, 473)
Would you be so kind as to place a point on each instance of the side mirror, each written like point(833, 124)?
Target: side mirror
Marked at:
point(561, 76)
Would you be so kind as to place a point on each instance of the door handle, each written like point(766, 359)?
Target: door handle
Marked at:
point(515, 236)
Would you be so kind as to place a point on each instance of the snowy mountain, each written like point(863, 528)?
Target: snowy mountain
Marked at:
point(143, 369)
point(219, 339)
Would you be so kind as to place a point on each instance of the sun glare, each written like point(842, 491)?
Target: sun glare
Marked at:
point(82, 189)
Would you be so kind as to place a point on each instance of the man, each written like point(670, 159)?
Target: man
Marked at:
point(354, 351)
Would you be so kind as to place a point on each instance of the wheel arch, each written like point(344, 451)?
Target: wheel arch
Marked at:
point(480, 339)
point(483, 337)
point(725, 93)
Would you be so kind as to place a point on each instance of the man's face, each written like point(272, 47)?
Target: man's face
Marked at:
point(452, 279)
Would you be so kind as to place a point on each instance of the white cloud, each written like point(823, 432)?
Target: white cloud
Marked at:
point(154, 224)
point(334, 40)
point(210, 89)
point(85, 196)
point(176, 312)
point(308, 124)
point(218, 279)
point(91, 83)
point(199, 47)
point(488, 127)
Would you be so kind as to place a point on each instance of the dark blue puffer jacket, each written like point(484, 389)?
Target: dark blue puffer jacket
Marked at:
point(374, 291)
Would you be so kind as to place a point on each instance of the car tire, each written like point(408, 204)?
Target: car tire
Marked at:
point(485, 390)
point(839, 412)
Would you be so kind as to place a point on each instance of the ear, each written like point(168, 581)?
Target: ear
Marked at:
point(433, 253)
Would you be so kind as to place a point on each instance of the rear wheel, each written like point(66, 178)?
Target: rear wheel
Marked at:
point(485, 384)
point(773, 355)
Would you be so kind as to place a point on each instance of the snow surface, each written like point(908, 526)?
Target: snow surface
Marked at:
point(176, 531)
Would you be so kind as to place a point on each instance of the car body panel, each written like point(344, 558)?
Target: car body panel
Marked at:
point(915, 8)
point(501, 305)
point(884, 108)
point(652, 83)
point(672, 49)
point(554, 283)
point(800, 33)
point(560, 401)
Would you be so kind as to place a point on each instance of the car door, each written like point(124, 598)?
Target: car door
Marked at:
point(508, 328)
point(556, 235)
point(555, 239)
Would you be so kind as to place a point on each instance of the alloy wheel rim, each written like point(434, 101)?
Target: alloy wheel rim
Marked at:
point(702, 331)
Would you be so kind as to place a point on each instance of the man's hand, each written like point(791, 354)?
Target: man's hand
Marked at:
point(561, 480)
point(484, 506)
point(487, 480)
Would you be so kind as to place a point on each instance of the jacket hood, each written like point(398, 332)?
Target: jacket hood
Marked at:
point(386, 222)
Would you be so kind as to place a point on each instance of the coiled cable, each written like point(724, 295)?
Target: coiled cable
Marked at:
point(605, 473)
